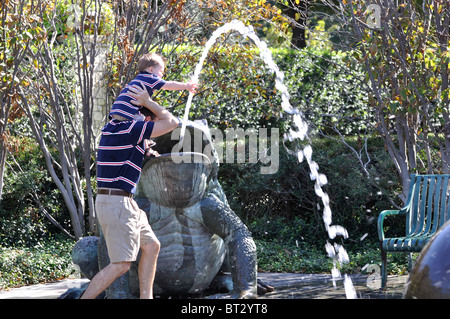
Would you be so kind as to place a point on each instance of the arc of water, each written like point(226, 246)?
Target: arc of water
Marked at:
point(265, 54)
point(336, 252)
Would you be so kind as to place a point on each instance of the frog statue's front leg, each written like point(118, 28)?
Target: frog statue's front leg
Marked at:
point(221, 220)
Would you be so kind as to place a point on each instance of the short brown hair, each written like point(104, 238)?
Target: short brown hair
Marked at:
point(146, 112)
point(151, 59)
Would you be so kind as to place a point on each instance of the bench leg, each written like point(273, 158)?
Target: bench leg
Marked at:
point(383, 267)
point(410, 262)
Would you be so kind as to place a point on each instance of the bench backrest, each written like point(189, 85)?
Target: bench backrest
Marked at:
point(428, 206)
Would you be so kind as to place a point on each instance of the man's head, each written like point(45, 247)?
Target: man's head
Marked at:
point(153, 63)
point(149, 115)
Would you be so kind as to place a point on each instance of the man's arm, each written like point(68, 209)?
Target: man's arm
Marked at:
point(166, 121)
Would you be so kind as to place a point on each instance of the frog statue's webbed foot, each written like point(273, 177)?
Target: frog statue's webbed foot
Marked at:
point(222, 287)
point(263, 288)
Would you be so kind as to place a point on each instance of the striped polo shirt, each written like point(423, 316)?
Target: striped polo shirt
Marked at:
point(122, 105)
point(121, 153)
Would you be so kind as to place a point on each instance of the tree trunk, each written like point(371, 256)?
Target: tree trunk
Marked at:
point(65, 189)
point(298, 16)
point(2, 167)
point(3, 122)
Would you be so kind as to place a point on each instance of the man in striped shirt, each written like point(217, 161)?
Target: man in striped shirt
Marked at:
point(124, 225)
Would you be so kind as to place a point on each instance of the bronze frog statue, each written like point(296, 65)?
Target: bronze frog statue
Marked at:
point(201, 238)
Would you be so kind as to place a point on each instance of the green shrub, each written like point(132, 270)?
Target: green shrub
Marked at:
point(238, 90)
point(284, 205)
point(21, 222)
point(274, 256)
point(44, 262)
point(330, 95)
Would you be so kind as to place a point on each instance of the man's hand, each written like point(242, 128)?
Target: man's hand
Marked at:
point(166, 121)
point(140, 94)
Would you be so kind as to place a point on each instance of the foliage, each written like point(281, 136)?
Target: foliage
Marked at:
point(67, 16)
point(329, 93)
point(276, 256)
point(404, 51)
point(284, 205)
point(21, 221)
point(248, 11)
point(44, 262)
point(237, 89)
point(18, 31)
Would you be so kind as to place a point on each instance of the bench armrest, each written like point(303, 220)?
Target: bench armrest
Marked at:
point(381, 218)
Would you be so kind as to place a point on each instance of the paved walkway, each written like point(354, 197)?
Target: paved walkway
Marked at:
point(314, 286)
point(287, 286)
point(42, 291)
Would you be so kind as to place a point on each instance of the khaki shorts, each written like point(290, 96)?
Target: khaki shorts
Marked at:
point(124, 225)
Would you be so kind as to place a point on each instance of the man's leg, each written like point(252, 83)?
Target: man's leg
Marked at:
point(147, 269)
point(105, 278)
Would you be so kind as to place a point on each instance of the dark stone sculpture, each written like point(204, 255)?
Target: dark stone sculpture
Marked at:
point(201, 237)
point(430, 277)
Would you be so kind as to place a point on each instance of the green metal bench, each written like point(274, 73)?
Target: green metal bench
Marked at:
point(426, 210)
